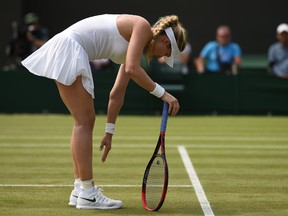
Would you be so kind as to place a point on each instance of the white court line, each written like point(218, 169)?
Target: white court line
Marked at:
point(59, 185)
point(195, 182)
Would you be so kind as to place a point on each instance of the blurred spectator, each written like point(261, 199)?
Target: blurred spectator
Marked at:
point(221, 55)
point(185, 58)
point(99, 64)
point(26, 38)
point(278, 53)
point(181, 61)
point(103, 65)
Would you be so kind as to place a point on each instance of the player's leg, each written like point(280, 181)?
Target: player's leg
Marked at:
point(81, 106)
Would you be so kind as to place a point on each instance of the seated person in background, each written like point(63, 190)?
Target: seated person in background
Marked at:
point(181, 61)
point(185, 57)
point(278, 53)
point(25, 40)
point(36, 34)
point(221, 55)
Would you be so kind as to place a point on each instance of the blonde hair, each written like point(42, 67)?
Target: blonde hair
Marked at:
point(172, 21)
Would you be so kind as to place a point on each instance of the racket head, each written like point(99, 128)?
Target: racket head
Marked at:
point(155, 179)
point(155, 183)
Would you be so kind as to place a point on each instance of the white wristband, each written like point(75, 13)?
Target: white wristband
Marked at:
point(110, 128)
point(158, 91)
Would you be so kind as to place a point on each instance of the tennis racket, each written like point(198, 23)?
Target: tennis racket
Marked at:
point(155, 179)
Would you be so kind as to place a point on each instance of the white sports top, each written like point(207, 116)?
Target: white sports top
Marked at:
point(100, 38)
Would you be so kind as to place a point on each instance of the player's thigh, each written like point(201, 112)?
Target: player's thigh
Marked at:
point(78, 101)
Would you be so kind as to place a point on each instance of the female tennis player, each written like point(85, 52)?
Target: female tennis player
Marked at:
point(123, 38)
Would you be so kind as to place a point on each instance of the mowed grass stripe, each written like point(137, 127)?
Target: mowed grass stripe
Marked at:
point(105, 186)
point(194, 146)
point(150, 138)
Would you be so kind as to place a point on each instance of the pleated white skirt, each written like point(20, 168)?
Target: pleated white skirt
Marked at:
point(61, 58)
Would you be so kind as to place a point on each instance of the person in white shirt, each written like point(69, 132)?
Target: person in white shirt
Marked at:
point(278, 53)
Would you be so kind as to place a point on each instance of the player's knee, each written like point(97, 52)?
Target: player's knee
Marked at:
point(86, 121)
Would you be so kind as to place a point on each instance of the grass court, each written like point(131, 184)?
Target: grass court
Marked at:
point(241, 163)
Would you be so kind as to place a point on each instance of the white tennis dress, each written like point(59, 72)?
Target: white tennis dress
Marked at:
point(66, 55)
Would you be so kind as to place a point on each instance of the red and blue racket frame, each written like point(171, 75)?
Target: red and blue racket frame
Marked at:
point(160, 146)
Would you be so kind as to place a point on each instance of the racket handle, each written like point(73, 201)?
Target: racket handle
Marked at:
point(164, 117)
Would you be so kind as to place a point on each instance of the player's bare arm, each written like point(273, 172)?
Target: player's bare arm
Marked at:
point(137, 31)
point(116, 101)
point(117, 95)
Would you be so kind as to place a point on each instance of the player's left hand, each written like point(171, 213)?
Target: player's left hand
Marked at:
point(173, 103)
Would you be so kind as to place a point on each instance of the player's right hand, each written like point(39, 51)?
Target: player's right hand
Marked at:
point(106, 143)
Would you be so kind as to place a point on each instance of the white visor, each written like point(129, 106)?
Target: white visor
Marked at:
point(174, 47)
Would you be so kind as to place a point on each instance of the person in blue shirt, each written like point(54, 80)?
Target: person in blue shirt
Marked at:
point(278, 53)
point(221, 55)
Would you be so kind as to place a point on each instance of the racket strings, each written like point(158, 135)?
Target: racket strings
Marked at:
point(155, 182)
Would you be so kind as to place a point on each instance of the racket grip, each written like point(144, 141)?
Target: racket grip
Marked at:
point(164, 117)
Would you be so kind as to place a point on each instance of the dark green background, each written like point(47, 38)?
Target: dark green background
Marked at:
point(252, 91)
